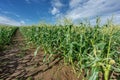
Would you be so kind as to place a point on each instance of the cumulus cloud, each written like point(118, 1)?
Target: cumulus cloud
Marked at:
point(79, 9)
point(56, 6)
point(9, 21)
point(55, 11)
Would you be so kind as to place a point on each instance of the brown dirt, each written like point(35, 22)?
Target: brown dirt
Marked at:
point(18, 63)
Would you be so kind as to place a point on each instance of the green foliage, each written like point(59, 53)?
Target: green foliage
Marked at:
point(85, 48)
point(6, 33)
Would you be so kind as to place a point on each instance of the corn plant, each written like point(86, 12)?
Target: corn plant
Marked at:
point(93, 50)
point(6, 33)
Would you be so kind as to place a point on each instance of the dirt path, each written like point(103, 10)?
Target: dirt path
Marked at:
point(18, 62)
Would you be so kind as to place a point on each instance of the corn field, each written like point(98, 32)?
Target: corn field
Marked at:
point(92, 50)
point(6, 33)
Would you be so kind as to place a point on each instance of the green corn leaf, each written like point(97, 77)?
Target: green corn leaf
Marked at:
point(94, 75)
point(36, 51)
point(116, 69)
point(101, 45)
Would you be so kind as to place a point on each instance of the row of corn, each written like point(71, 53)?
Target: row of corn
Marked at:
point(92, 50)
point(6, 33)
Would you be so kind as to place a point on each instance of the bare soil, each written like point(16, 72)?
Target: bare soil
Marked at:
point(19, 63)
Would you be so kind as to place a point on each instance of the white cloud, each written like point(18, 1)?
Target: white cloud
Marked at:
point(55, 11)
point(56, 6)
point(74, 3)
point(9, 21)
point(57, 3)
point(22, 22)
point(79, 9)
point(104, 18)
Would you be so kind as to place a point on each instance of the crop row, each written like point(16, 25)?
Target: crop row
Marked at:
point(6, 33)
point(92, 49)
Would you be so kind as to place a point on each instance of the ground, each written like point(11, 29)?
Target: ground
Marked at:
point(17, 62)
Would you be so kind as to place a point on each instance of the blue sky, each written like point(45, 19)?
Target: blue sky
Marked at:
point(26, 12)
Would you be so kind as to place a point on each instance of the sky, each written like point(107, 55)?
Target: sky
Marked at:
point(28, 12)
